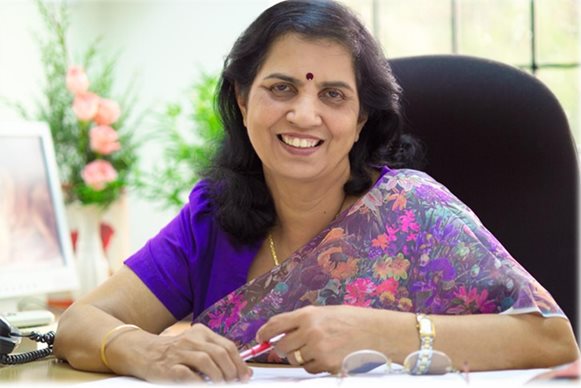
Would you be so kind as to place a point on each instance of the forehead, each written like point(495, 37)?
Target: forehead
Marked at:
point(295, 55)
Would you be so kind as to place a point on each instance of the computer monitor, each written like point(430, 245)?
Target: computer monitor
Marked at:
point(36, 256)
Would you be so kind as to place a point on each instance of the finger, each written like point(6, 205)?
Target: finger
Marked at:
point(223, 359)
point(315, 367)
point(299, 357)
point(325, 363)
point(203, 363)
point(242, 371)
point(291, 341)
point(281, 323)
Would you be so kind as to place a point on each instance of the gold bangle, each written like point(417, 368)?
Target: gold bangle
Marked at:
point(105, 340)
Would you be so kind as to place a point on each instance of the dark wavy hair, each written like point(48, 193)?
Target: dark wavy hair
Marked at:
point(243, 204)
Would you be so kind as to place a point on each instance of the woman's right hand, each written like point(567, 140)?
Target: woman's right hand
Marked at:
point(196, 354)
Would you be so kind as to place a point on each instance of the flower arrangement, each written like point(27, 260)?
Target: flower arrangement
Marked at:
point(93, 140)
point(95, 116)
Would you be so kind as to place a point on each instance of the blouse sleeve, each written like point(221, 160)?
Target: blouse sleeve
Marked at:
point(170, 264)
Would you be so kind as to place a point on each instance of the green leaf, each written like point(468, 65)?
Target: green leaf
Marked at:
point(184, 159)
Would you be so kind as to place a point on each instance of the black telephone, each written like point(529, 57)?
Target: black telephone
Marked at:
point(10, 337)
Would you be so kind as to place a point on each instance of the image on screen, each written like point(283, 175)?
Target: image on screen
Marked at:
point(28, 228)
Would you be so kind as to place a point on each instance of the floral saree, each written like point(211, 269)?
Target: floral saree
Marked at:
point(409, 245)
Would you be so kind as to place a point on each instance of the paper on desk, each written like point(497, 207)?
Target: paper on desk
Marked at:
point(377, 378)
point(279, 376)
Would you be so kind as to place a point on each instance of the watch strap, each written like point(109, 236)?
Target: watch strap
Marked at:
point(427, 334)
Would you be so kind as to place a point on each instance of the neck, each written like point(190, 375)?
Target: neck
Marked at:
point(304, 208)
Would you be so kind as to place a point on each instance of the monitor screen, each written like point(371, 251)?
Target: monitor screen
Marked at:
point(35, 247)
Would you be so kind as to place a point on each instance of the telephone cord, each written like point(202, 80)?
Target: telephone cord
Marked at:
point(22, 358)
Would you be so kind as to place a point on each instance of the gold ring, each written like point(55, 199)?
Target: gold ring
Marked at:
point(299, 356)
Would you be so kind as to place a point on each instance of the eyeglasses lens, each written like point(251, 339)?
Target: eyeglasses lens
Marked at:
point(363, 361)
point(440, 363)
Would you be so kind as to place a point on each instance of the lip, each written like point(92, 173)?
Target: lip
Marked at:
point(299, 151)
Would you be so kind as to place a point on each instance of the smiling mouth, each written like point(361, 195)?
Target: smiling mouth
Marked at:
point(297, 142)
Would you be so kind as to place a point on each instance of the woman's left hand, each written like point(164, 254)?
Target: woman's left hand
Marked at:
point(324, 335)
point(319, 337)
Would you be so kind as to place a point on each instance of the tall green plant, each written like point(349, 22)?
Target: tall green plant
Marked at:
point(189, 138)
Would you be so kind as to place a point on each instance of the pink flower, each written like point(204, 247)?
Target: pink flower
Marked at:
point(387, 290)
point(85, 105)
point(107, 113)
point(390, 285)
point(77, 80)
point(391, 234)
point(98, 173)
point(358, 292)
point(408, 222)
point(104, 140)
point(474, 302)
point(228, 313)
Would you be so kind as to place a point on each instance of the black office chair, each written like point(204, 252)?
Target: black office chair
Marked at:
point(499, 140)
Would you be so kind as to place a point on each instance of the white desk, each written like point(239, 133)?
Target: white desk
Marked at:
point(51, 372)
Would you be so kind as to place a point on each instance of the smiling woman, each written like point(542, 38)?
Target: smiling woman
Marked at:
point(303, 130)
point(307, 225)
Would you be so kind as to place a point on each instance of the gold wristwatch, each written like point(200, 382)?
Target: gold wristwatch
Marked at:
point(427, 333)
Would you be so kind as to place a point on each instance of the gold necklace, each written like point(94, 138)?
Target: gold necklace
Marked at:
point(272, 249)
point(271, 240)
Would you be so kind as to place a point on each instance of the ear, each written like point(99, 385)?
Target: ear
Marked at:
point(241, 101)
point(360, 124)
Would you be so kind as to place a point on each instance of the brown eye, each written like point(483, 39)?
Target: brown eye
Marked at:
point(282, 89)
point(334, 95)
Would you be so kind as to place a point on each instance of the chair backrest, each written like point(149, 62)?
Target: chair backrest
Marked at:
point(499, 140)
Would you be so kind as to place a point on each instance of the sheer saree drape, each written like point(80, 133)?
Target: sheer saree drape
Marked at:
point(406, 245)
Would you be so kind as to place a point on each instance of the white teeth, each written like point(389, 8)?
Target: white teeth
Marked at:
point(299, 142)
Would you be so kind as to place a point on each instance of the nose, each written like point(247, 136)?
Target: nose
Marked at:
point(304, 112)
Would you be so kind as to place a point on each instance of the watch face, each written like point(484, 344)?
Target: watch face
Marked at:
point(426, 327)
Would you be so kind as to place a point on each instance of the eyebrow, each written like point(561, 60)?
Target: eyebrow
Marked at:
point(329, 84)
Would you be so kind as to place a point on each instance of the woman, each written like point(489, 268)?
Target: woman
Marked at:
point(312, 118)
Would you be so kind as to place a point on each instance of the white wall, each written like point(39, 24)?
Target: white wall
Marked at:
point(164, 43)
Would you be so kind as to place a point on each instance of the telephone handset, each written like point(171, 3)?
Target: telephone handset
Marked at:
point(11, 336)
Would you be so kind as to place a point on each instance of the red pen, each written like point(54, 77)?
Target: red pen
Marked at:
point(261, 348)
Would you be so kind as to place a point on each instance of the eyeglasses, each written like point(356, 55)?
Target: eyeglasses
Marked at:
point(363, 361)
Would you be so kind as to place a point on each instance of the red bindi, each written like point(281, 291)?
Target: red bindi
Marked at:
point(310, 76)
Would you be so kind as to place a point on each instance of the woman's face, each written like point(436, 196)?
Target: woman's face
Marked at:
point(302, 109)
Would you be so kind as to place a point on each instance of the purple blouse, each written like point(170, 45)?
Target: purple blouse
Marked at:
point(191, 263)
